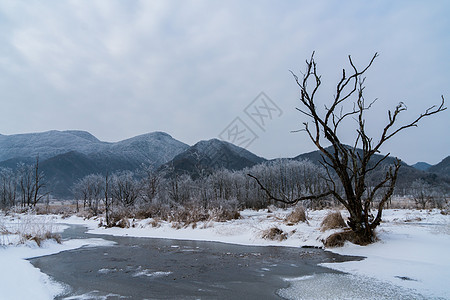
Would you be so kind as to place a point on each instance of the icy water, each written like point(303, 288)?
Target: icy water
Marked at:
point(144, 268)
point(147, 268)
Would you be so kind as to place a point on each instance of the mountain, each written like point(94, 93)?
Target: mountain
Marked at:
point(207, 156)
point(423, 166)
point(48, 144)
point(155, 148)
point(66, 156)
point(442, 168)
point(406, 174)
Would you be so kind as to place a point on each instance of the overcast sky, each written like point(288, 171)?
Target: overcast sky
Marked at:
point(189, 68)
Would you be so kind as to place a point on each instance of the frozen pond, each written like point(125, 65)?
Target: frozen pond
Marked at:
point(140, 268)
point(147, 268)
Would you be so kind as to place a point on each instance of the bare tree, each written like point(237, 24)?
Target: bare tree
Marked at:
point(90, 188)
point(107, 203)
point(150, 184)
point(39, 183)
point(124, 188)
point(348, 166)
point(423, 193)
point(26, 187)
point(8, 183)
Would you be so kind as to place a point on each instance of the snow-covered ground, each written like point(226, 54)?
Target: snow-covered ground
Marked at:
point(412, 253)
point(18, 278)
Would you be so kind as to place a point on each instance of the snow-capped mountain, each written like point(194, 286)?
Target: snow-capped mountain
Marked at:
point(155, 148)
point(48, 144)
point(206, 156)
point(67, 156)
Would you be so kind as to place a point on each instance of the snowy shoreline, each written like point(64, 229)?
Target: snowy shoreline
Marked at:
point(411, 253)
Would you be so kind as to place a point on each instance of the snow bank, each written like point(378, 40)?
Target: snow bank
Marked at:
point(19, 279)
point(245, 231)
point(412, 252)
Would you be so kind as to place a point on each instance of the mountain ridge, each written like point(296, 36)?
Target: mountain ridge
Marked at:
point(66, 156)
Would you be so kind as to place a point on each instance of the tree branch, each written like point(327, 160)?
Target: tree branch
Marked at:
point(287, 201)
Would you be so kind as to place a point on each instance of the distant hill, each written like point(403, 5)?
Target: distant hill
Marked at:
point(207, 156)
point(156, 147)
point(442, 168)
point(423, 166)
point(48, 144)
point(66, 156)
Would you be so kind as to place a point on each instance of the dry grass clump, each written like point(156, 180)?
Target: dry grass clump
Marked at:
point(29, 227)
point(155, 222)
point(222, 214)
point(187, 215)
point(152, 210)
point(39, 238)
point(297, 215)
point(333, 220)
point(3, 228)
point(274, 234)
point(338, 239)
point(60, 208)
point(192, 213)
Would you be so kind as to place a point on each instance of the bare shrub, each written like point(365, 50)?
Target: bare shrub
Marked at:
point(222, 210)
point(117, 217)
point(274, 234)
point(188, 214)
point(85, 214)
point(58, 208)
point(3, 228)
point(40, 238)
point(37, 229)
point(222, 214)
point(177, 225)
point(297, 215)
point(154, 209)
point(333, 220)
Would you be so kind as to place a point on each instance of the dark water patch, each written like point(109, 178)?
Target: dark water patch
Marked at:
point(147, 268)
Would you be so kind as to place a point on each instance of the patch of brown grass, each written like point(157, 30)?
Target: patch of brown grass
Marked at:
point(333, 220)
point(123, 223)
point(274, 234)
point(40, 238)
point(297, 215)
point(338, 239)
point(155, 222)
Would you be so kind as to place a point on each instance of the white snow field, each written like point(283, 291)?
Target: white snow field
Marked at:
point(411, 255)
point(18, 278)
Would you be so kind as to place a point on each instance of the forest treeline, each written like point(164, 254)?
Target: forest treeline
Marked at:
point(218, 195)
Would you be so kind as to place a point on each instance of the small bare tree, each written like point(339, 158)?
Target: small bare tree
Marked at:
point(423, 193)
point(8, 183)
point(39, 183)
point(348, 166)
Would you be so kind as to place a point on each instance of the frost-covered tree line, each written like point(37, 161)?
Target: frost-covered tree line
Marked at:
point(152, 194)
point(149, 193)
point(24, 186)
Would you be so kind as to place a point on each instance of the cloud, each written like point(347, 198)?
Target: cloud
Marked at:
point(121, 68)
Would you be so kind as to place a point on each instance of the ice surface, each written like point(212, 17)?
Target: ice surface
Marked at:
point(343, 286)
